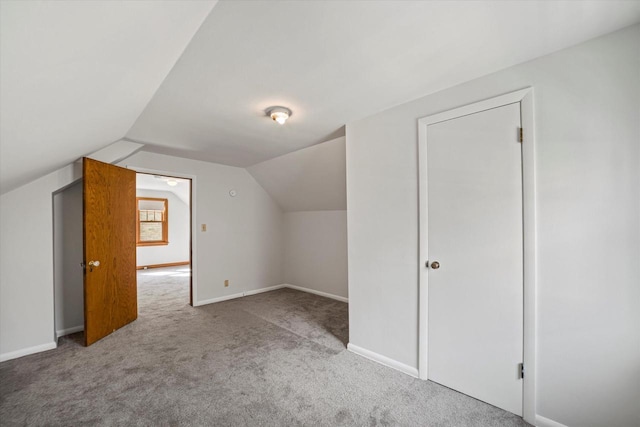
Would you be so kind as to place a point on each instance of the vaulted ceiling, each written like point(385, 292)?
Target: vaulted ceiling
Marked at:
point(311, 179)
point(182, 188)
point(75, 75)
point(193, 78)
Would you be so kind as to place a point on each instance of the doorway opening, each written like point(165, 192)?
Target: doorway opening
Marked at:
point(163, 237)
point(69, 269)
point(67, 260)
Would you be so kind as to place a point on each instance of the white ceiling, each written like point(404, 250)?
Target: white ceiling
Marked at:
point(337, 61)
point(159, 183)
point(75, 75)
point(311, 179)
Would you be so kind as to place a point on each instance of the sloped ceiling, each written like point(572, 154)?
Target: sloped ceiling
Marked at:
point(75, 75)
point(310, 179)
point(182, 189)
point(333, 62)
point(78, 75)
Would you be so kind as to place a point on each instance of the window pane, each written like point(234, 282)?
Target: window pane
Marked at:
point(156, 205)
point(150, 231)
point(152, 217)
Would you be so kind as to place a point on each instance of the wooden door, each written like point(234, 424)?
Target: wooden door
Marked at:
point(109, 229)
point(475, 229)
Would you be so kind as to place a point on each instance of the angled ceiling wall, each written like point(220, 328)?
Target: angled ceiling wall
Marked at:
point(75, 75)
point(311, 179)
point(191, 80)
point(333, 62)
point(181, 190)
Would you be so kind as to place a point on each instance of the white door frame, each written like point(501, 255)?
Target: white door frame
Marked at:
point(525, 98)
point(194, 224)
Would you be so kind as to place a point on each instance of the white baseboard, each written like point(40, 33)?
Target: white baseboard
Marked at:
point(63, 332)
point(218, 299)
point(546, 422)
point(238, 295)
point(313, 291)
point(383, 360)
point(268, 289)
point(261, 290)
point(27, 351)
point(68, 331)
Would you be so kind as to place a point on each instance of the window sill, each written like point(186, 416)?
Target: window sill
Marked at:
point(152, 243)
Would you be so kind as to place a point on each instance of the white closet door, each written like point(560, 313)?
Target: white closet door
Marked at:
point(475, 233)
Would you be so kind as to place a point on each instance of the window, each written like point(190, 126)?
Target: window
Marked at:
point(152, 224)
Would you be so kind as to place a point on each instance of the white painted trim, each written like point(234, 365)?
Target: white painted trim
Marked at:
point(546, 422)
point(261, 290)
point(196, 303)
point(383, 360)
point(238, 295)
point(487, 104)
point(423, 252)
point(27, 351)
point(218, 299)
point(529, 204)
point(525, 98)
point(68, 331)
point(268, 289)
point(313, 291)
point(194, 222)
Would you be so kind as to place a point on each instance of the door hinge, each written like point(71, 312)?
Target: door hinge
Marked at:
point(520, 135)
point(520, 370)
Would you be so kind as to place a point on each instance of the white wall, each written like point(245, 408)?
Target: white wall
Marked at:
point(587, 113)
point(315, 251)
point(178, 248)
point(243, 243)
point(68, 255)
point(26, 264)
point(311, 179)
point(26, 257)
point(310, 186)
point(244, 238)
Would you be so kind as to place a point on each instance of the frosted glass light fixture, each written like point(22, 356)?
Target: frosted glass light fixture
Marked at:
point(279, 114)
point(172, 182)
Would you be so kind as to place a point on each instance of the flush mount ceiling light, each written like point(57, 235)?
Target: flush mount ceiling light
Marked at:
point(279, 114)
point(170, 181)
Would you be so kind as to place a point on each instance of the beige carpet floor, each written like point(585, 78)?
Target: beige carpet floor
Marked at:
point(272, 359)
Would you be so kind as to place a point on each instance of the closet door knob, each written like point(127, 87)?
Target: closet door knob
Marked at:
point(92, 264)
point(435, 265)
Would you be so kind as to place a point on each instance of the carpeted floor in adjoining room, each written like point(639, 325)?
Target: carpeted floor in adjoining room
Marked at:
point(272, 359)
